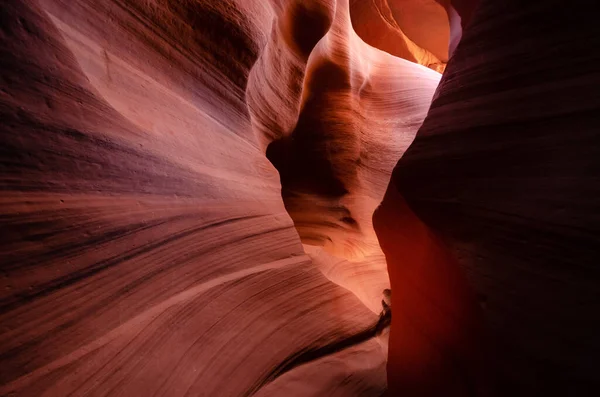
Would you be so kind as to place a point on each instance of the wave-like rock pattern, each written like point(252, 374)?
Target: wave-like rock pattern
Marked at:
point(146, 248)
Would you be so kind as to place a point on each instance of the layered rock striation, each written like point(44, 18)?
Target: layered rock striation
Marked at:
point(146, 246)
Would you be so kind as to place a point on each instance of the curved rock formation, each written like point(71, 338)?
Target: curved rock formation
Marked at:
point(512, 144)
point(188, 189)
point(416, 30)
point(335, 137)
point(146, 247)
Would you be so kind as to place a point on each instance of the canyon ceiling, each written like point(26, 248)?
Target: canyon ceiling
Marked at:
point(215, 198)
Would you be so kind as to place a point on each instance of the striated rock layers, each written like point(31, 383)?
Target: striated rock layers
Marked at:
point(149, 246)
point(188, 189)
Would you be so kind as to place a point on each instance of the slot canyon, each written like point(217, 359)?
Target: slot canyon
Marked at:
point(235, 198)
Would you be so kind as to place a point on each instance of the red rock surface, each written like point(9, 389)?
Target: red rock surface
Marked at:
point(146, 248)
point(501, 184)
point(188, 189)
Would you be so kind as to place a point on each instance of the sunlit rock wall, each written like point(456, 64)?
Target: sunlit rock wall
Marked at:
point(146, 248)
